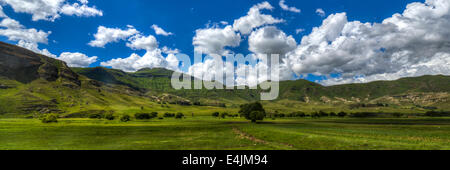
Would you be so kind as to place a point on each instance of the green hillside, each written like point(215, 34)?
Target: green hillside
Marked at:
point(31, 84)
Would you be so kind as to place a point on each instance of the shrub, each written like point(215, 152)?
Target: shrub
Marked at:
point(332, 114)
point(142, 116)
point(216, 114)
point(342, 114)
point(397, 115)
point(96, 116)
point(109, 116)
point(252, 111)
point(223, 115)
point(363, 114)
point(315, 115)
point(49, 118)
point(169, 115)
point(179, 116)
point(125, 118)
point(323, 114)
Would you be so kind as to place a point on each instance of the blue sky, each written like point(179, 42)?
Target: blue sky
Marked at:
point(70, 33)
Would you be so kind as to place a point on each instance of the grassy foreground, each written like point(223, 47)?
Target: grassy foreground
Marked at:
point(205, 133)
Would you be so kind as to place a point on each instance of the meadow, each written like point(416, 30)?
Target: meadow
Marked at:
point(209, 133)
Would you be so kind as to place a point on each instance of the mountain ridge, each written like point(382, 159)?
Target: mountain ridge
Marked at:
point(31, 82)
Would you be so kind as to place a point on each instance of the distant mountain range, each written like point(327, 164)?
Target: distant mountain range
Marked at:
point(34, 83)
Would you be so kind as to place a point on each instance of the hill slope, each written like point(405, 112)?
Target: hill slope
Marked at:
point(33, 83)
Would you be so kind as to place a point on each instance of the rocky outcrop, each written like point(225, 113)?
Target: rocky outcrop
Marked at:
point(25, 66)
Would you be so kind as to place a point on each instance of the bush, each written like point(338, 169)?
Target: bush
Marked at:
point(49, 118)
point(342, 114)
point(109, 116)
point(332, 114)
point(323, 114)
point(96, 116)
point(315, 115)
point(169, 115)
point(146, 116)
point(397, 115)
point(223, 115)
point(363, 115)
point(252, 111)
point(125, 118)
point(142, 116)
point(216, 114)
point(179, 116)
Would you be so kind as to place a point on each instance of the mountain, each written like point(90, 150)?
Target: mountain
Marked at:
point(33, 83)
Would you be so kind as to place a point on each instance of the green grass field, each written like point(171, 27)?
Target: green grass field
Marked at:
point(206, 133)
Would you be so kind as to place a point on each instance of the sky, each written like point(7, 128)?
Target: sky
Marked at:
point(325, 41)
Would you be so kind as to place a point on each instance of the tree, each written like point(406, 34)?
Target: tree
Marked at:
point(125, 118)
point(223, 115)
point(252, 111)
point(216, 114)
point(179, 116)
point(342, 114)
point(109, 116)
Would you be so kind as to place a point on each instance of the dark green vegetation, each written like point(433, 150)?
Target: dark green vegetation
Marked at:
point(100, 108)
point(207, 132)
point(253, 111)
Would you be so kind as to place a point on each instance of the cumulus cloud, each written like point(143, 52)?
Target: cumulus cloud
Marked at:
point(151, 59)
point(107, 35)
point(77, 59)
point(140, 42)
point(160, 31)
point(255, 19)
point(214, 40)
point(271, 40)
point(320, 12)
point(82, 10)
point(287, 8)
point(51, 9)
point(413, 43)
point(27, 38)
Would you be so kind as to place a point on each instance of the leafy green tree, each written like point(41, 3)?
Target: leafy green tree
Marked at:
point(252, 111)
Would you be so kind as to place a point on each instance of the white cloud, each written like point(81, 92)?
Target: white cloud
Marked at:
point(77, 59)
point(287, 8)
point(2, 14)
point(300, 30)
point(82, 10)
point(140, 42)
point(151, 59)
point(271, 40)
point(27, 38)
point(51, 9)
point(320, 12)
point(160, 31)
point(409, 44)
point(255, 19)
point(106, 35)
point(214, 40)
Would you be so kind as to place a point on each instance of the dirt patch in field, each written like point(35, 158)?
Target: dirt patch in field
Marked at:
point(243, 135)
